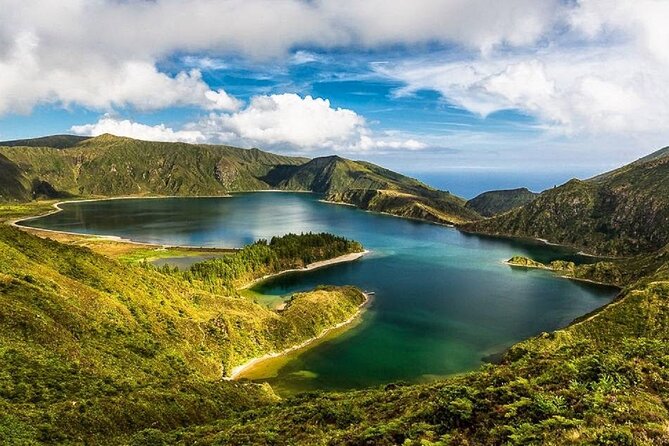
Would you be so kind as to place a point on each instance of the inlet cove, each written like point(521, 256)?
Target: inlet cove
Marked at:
point(442, 301)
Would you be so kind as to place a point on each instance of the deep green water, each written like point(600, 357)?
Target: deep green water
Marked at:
point(444, 300)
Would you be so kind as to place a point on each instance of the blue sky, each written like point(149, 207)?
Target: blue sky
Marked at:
point(563, 87)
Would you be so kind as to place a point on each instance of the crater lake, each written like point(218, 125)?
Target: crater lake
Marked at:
point(443, 302)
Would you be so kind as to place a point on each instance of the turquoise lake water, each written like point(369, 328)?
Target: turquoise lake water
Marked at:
point(444, 300)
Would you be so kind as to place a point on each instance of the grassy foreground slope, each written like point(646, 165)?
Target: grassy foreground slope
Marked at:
point(93, 350)
point(108, 165)
point(619, 213)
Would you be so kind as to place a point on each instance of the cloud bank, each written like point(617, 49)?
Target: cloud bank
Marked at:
point(577, 68)
point(608, 76)
point(125, 127)
point(102, 54)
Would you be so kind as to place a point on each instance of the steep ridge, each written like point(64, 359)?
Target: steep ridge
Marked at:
point(500, 201)
point(374, 188)
point(622, 212)
point(108, 165)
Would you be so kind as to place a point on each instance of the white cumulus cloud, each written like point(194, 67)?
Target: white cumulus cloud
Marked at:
point(598, 85)
point(104, 54)
point(291, 119)
point(97, 83)
point(301, 123)
point(283, 122)
point(581, 67)
point(124, 127)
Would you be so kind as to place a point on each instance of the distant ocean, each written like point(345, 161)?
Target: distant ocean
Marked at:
point(468, 183)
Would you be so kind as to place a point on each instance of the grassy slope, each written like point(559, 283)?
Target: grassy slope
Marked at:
point(11, 181)
point(620, 213)
point(500, 201)
point(113, 166)
point(92, 348)
point(603, 380)
point(617, 272)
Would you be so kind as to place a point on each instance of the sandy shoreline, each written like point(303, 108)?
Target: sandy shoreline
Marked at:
point(312, 266)
point(238, 370)
point(114, 238)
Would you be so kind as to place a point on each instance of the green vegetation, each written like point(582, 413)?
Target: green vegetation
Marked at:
point(114, 166)
point(10, 181)
point(500, 201)
point(620, 213)
point(16, 210)
point(435, 206)
point(150, 254)
point(264, 258)
point(93, 350)
point(374, 188)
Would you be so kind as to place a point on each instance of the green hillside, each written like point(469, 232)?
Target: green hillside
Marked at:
point(619, 213)
point(11, 182)
point(92, 348)
point(112, 166)
point(108, 165)
point(500, 201)
point(95, 351)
